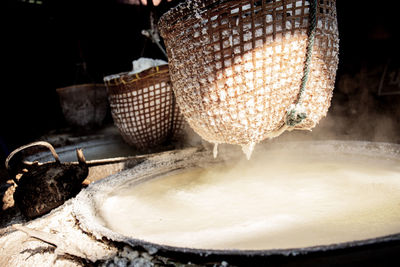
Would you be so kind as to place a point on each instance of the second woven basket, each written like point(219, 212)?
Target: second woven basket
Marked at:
point(143, 107)
point(237, 66)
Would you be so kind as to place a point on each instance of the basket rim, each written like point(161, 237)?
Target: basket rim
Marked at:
point(116, 78)
point(171, 17)
point(185, 11)
point(61, 89)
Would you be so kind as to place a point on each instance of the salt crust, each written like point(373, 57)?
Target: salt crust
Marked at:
point(138, 66)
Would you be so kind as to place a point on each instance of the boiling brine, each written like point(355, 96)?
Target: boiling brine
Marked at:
point(272, 202)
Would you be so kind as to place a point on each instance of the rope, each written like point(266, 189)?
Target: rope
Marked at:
point(295, 115)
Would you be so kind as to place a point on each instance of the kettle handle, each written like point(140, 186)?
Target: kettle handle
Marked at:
point(39, 143)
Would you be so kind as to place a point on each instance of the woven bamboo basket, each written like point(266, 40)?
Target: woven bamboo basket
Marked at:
point(143, 107)
point(84, 105)
point(238, 66)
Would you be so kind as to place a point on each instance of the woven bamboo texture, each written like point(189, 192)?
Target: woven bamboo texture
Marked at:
point(143, 107)
point(236, 66)
point(84, 105)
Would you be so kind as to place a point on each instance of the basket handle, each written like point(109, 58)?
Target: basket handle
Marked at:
point(39, 143)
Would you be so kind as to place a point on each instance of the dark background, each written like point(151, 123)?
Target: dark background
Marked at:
point(43, 44)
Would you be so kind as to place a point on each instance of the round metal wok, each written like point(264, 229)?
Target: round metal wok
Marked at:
point(376, 251)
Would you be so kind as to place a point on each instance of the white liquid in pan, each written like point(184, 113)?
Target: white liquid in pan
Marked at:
point(285, 202)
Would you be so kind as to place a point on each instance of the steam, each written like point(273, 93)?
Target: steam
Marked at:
point(356, 113)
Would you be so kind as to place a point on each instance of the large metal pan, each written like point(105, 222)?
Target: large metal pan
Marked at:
point(376, 251)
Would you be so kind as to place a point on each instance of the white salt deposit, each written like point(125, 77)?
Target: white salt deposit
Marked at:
point(215, 150)
point(111, 77)
point(138, 66)
point(248, 149)
point(143, 63)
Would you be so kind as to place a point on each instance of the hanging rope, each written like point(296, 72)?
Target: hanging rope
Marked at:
point(295, 115)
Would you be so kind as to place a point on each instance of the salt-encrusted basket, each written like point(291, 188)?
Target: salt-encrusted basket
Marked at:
point(84, 105)
point(143, 107)
point(237, 66)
